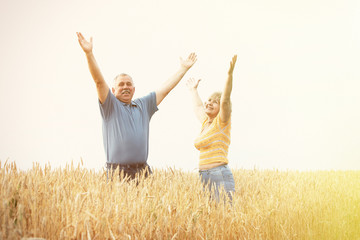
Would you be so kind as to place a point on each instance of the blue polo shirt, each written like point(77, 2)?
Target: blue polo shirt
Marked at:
point(126, 128)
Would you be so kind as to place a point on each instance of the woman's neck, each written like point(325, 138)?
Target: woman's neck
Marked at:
point(210, 119)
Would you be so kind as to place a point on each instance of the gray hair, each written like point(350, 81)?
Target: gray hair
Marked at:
point(123, 75)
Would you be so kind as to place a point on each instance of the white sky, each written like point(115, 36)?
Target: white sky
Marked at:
point(296, 83)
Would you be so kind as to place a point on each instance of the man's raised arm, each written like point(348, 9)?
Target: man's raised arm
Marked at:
point(185, 65)
point(101, 86)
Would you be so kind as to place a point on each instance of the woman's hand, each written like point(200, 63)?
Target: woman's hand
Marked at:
point(192, 84)
point(232, 65)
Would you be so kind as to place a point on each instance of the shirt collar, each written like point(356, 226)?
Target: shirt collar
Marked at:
point(134, 104)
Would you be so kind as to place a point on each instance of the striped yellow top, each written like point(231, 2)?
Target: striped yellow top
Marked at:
point(213, 143)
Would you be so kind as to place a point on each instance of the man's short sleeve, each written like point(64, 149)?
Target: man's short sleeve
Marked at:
point(149, 102)
point(107, 107)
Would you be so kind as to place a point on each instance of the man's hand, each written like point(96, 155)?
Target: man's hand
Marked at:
point(192, 84)
point(85, 45)
point(166, 87)
point(232, 65)
point(101, 86)
point(189, 61)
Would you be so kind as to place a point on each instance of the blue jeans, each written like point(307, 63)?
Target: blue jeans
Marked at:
point(216, 178)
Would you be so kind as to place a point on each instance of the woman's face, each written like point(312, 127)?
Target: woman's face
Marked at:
point(212, 107)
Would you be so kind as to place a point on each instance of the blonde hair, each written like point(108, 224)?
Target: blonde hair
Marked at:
point(217, 96)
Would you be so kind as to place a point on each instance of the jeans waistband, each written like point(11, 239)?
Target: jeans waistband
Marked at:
point(214, 169)
point(125, 166)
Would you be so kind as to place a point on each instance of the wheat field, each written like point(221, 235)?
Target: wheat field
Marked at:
point(76, 203)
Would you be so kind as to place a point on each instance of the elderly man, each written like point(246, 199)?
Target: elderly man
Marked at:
point(126, 121)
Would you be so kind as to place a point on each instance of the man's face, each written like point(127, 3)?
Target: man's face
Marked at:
point(123, 89)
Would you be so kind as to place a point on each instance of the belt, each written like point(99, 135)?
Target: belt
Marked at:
point(125, 166)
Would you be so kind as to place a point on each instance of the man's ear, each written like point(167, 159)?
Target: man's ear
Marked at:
point(113, 90)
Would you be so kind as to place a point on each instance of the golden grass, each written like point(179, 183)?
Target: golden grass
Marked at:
point(76, 203)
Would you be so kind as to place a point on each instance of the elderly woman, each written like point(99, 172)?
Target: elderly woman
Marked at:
point(214, 139)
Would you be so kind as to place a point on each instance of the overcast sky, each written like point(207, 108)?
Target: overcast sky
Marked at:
point(296, 101)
